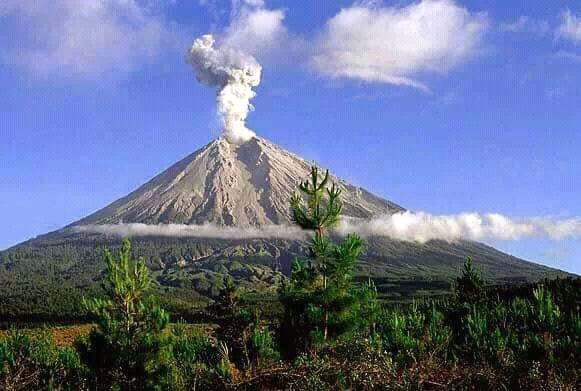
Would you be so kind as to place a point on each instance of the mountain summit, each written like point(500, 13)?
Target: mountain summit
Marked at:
point(227, 184)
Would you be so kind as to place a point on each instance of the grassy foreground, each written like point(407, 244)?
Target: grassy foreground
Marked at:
point(508, 340)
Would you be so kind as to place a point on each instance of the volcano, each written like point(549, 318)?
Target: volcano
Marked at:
point(228, 184)
point(246, 185)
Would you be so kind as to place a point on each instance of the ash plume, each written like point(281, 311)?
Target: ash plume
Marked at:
point(235, 74)
point(422, 227)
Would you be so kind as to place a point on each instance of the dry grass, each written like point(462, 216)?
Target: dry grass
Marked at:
point(62, 335)
point(67, 335)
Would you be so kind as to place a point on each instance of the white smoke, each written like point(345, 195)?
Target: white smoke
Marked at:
point(234, 73)
point(422, 227)
point(195, 231)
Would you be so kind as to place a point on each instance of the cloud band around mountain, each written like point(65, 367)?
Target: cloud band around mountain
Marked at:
point(194, 231)
point(407, 226)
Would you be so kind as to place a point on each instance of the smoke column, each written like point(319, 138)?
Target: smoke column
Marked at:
point(234, 74)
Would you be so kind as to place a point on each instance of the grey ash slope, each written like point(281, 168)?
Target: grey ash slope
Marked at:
point(246, 185)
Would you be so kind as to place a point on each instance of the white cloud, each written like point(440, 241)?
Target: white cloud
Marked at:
point(422, 227)
point(407, 226)
point(526, 24)
point(256, 31)
point(395, 45)
point(195, 231)
point(82, 38)
point(570, 27)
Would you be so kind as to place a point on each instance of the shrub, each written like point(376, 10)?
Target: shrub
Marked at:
point(36, 363)
point(522, 340)
point(261, 345)
point(189, 357)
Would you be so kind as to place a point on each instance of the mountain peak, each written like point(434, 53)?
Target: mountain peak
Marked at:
point(249, 184)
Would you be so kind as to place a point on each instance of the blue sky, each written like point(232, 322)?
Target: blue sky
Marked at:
point(480, 115)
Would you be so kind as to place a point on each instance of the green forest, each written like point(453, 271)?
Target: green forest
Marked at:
point(323, 329)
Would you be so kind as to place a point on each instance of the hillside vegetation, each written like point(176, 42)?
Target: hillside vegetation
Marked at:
point(326, 330)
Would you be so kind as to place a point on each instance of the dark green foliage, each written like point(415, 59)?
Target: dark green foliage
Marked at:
point(46, 283)
point(513, 335)
point(246, 338)
point(126, 345)
point(261, 346)
point(317, 215)
point(234, 324)
point(415, 332)
point(320, 299)
point(189, 359)
point(469, 288)
point(229, 296)
point(44, 280)
point(504, 341)
point(34, 363)
point(368, 309)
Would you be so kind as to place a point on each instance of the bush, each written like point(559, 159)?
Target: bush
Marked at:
point(36, 363)
point(261, 347)
point(469, 287)
point(190, 356)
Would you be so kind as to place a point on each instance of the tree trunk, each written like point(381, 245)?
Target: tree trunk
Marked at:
point(326, 327)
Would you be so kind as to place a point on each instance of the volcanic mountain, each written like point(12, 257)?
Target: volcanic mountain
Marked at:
point(227, 184)
point(247, 185)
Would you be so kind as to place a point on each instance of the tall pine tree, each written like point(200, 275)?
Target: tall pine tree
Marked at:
point(125, 346)
point(320, 300)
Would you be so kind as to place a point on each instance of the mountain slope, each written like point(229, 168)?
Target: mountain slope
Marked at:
point(226, 184)
point(241, 186)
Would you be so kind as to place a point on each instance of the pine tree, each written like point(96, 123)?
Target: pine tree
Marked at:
point(125, 345)
point(319, 297)
point(369, 309)
point(228, 297)
point(319, 217)
point(469, 287)
point(233, 321)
